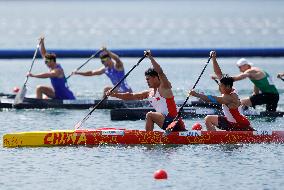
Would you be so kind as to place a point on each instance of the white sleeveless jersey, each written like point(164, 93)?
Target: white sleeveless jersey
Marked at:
point(162, 105)
point(231, 116)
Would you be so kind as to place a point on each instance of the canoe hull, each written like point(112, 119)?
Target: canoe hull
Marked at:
point(135, 137)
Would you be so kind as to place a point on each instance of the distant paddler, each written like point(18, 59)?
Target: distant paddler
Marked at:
point(113, 68)
point(233, 119)
point(265, 91)
point(160, 96)
point(59, 89)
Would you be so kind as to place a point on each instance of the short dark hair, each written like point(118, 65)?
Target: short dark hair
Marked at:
point(151, 72)
point(50, 56)
point(104, 54)
point(227, 80)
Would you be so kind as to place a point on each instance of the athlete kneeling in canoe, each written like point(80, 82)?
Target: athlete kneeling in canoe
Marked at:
point(113, 68)
point(160, 96)
point(59, 89)
point(233, 119)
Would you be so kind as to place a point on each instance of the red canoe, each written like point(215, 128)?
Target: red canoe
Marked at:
point(129, 137)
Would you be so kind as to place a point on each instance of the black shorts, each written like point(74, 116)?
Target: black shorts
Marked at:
point(168, 120)
point(224, 124)
point(271, 100)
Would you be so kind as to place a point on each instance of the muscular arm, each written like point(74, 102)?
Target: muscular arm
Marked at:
point(219, 99)
point(115, 57)
point(42, 48)
point(216, 68)
point(165, 83)
point(52, 74)
point(241, 76)
point(91, 73)
point(131, 96)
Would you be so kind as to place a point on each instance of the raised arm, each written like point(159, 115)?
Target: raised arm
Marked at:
point(165, 83)
point(216, 67)
point(42, 47)
point(115, 57)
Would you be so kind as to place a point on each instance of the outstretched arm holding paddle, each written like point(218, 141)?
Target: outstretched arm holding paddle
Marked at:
point(76, 71)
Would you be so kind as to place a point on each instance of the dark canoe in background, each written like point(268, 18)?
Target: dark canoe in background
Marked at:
point(33, 103)
point(189, 112)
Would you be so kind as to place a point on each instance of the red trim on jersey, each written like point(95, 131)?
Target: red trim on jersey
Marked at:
point(241, 120)
point(171, 106)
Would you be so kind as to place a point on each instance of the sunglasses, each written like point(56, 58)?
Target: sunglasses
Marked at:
point(47, 61)
point(104, 59)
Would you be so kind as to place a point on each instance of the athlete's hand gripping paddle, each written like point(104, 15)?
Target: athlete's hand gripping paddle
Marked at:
point(92, 56)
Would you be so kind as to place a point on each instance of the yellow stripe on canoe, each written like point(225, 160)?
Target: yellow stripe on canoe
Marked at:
point(37, 138)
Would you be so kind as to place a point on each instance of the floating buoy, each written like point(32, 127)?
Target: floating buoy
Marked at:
point(196, 126)
point(16, 89)
point(160, 174)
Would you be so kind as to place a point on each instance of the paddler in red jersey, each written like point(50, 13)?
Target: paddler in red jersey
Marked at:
point(160, 96)
point(233, 119)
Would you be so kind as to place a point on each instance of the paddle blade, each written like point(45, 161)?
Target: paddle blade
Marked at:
point(21, 95)
point(78, 125)
point(170, 128)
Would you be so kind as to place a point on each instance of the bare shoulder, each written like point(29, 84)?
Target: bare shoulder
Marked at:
point(231, 97)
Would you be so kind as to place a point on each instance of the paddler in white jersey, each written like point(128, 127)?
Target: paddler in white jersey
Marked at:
point(233, 119)
point(160, 96)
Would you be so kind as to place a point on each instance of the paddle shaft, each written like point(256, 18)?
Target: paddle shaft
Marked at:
point(282, 78)
point(35, 53)
point(94, 55)
point(21, 94)
point(98, 104)
point(181, 108)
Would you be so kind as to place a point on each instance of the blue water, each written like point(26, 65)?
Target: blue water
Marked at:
point(126, 24)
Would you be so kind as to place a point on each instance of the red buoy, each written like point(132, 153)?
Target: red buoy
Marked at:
point(160, 174)
point(196, 126)
point(16, 89)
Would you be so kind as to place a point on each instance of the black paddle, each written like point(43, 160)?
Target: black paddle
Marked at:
point(281, 78)
point(94, 55)
point(172, 125)
point(80, 123)
point(21, 94)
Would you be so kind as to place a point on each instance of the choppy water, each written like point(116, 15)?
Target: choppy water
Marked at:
point(125, 24)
